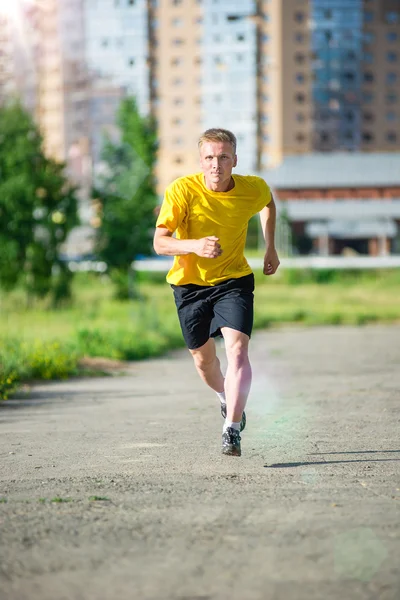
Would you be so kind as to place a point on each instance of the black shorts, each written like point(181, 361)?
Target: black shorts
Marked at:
point(204, 309)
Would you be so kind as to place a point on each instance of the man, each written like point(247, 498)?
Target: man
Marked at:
point(212, 282)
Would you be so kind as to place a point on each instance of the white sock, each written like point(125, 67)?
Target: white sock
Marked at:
point(221, 396)
point(231, 424)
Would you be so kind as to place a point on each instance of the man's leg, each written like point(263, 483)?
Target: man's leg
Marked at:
point(208, 366)
point(238, 374)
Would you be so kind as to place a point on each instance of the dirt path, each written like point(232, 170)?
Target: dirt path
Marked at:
point(115, 488)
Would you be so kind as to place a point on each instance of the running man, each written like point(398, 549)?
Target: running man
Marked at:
point(212, 282)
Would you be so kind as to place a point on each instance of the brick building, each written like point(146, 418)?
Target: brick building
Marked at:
point(341, 201)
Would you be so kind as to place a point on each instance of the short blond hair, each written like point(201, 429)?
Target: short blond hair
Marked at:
point(218, 135)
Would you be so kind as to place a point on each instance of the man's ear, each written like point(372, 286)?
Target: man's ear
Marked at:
point(235, 161)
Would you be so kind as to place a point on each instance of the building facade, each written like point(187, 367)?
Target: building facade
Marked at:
point(341, 202)
point(289, 77)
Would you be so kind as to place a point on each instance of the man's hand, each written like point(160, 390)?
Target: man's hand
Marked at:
point(208, 247)
point(271, 262)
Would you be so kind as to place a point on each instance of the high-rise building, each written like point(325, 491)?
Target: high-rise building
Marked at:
point(288, 76)
point(63, 83)
point(17, 57)
point(116, 52)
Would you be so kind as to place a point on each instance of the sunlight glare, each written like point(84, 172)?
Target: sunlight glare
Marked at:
point(10, 8)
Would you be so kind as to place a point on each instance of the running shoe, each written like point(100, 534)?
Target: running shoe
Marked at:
point(231, 442)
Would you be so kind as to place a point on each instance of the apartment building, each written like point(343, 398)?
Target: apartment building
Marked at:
point(117, 58)
point(17, 59)
point(288, 76)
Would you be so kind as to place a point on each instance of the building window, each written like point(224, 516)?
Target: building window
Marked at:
point(367, 137)
point(300, 117)
point(178, 160)
point(391, 36)
point(299, 57)
point(368, 77)
point(348, 136)
point(177, 121)
point(391, 136)
point(349, 76)
point(177, 22)
point(131, 2)
point(327, 14)
point(300, 137)
point(368, 16)
point(349, 116)
point(178, 42)
point(178, 101)
point(299, 16)
point(391, 117)
point(240, 37)
point(391, 57)
point(369, 37)
point(300, 97)
point(368, 97)
point(368, 57)
point(391, 98)
point(265, 37)
point(368, 117)
point(324, 137)
point(131, 62)
point(176, 61)
point(176, 2)
point(300, 78)
point(299, 37)
point(392, 17)
point(391, 78)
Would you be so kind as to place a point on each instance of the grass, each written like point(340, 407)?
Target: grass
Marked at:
point(99, 499)
point(58, 500)
point(40, 343)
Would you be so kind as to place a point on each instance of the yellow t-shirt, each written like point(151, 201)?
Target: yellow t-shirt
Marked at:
point(194, 212)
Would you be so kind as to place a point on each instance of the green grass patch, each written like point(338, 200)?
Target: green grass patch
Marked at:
point(99, 499)
point(58, 500)
point(41, 343)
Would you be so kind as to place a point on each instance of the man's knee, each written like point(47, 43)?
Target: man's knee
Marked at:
point(237, 350)
point(202, 361)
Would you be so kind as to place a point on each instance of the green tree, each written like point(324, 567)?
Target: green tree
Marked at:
point(38, 208)
point(125, 195)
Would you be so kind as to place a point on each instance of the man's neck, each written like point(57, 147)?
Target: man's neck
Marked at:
point(222, 187)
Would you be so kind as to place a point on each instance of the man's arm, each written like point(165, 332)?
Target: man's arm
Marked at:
point(268, 224)
point(167, 245)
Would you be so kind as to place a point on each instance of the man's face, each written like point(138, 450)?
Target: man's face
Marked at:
point(217, 161)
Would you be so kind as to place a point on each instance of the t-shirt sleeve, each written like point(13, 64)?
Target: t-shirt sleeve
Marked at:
point(173, 208)
point(265, 194)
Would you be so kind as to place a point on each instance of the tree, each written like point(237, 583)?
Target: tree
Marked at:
point(125, 195)
point(38, 208)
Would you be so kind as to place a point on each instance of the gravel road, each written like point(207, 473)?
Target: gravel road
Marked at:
point(116, 488)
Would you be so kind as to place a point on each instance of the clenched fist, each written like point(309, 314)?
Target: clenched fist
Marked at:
point(208, 247)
